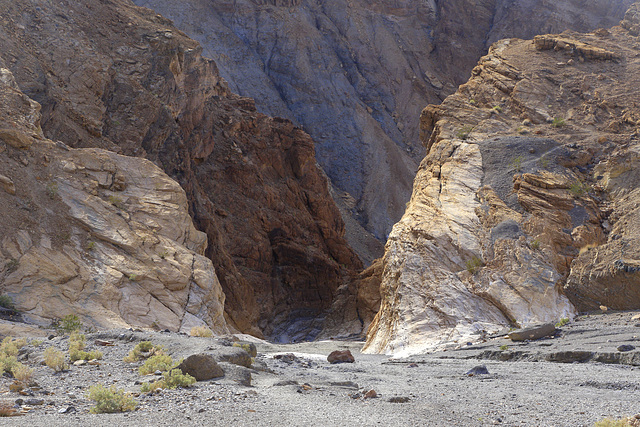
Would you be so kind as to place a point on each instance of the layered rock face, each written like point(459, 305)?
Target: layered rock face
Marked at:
point(115, 76)
point(356, 74)
point(527, 193)
point(96, 234)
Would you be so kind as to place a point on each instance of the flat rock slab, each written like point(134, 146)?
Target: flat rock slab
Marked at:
point(533, 332)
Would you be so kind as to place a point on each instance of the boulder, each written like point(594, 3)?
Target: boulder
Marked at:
point(201, 367)
point(340, 356)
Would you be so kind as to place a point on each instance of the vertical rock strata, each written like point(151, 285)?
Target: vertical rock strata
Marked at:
point(115, 76)
point(528, 193)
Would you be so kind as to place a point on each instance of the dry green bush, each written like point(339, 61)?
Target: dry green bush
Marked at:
point(159, 362)
point(170, 380)
point(84, 355)
point(22, 373)
point(110, 400)
point(143, 350)
point(201, 331)
point(55, 359)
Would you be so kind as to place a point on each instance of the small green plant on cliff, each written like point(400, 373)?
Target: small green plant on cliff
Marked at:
point(110, 400)
point(535, 245)
point(504, 347)
point(472, 101)
point(578, 188)
point(91, 245)
point(463, 133)
point(12, 265)
point(474, 264)
point(516, 163)
point(497, 109)
point(52, 190)
point(67, 324)
point(562, 322)
point(558, 122)
point(170, 380)
point(133, 277)
point(116, 201)
point(6, 302)
point(522, 131)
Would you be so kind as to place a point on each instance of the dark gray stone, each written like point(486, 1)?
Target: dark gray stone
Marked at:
point(477, 370)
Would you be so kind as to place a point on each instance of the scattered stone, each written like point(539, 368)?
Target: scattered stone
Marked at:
point(371, 394)
point(412, 365)
point(7, 185)
point(477, 370)
point(201, 366)
point(398, 399)
point(19, 402)
point(533, 332)
point(67, 410)
point(249, 347)
point(34, 402)
point(288, 357)
point(635, 317)
point(625, 347)
point(80, 362)
point(237, 373)
point(604, 308)
point(104, 343)
point(348, 384)
point(286, 382)
point(340, 356)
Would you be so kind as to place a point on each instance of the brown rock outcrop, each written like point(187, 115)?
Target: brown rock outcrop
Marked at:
point(96, 234)
point(121, 77)
point(528, 192)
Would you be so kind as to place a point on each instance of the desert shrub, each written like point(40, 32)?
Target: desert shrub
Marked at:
point(608, 422)
point(7, 363)
point(10, 346)
point(201, 331)
point(159, 362)
point(578, 188)
point(6, 302)
point(170, 380)
point(52, 190)
point(67, 324)
point(497, 108)
point(110, 400)
point(249, 348)
point(535, 245)
point(504, 347)
point(474, 264)
point(22, 373)
point(516, 163)
point(562, 322)
point(84, 355)
point(558, 122)
point(55, 359)
point(36, 343)
point(143, 350)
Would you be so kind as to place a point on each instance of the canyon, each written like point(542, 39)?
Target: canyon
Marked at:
point(146, 185)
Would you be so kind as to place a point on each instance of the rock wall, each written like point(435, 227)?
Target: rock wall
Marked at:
point(96, 234)
point(112, 75)
point(527, 193)
point(356, 74)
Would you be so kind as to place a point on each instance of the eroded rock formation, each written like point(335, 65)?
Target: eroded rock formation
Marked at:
point(527, 193)
point(96, 234)
point(356, 74)
point(112, 75)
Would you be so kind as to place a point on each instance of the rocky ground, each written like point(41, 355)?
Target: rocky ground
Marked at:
point(523, 386)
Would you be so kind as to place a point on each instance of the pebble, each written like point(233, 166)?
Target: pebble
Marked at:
point(67, 410)
point(625, 347)
point(34, 402)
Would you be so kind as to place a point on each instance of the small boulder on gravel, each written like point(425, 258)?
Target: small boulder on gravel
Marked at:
point(340, 356)
point(626, 347)
point(533, 332)
point(477, 370)
point(201, 366)
point(234, 355)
